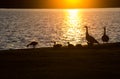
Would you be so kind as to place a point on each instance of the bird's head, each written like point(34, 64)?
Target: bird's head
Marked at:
point(53, 42)
point(68, 42)
point(104, 27)
point(86, 26)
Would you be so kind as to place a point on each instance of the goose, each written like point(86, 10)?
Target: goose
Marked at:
point(105, 37)
point(90, 40)
point(33, 43)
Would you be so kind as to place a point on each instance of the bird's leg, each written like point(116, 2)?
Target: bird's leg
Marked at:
point(28, 45)
point(90, 44)
point(34, 46)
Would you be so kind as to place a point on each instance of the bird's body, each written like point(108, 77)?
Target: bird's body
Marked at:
point(57, 45)
point(34, 43)
point(105, 38)
point(90, 39)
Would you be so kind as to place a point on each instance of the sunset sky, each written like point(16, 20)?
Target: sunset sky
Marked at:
point(58, 3)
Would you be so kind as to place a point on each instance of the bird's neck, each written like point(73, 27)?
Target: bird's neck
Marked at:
point(68, 43)
point(87, 31)
point(104, 31)
point(54, 43)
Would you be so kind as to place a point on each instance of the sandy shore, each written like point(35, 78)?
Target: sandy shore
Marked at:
point(60, 63)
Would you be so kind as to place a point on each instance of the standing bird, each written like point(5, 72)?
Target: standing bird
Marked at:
point(90, 40)
point(34, 43)
point(105, 38)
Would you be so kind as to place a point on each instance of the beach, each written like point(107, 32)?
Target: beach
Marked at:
point(60, 63)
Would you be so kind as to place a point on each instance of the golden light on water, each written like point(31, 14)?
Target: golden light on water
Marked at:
point(73, 17)
point(73, 30)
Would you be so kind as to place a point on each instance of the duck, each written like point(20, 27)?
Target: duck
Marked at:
point(70, 45)
point(33, 44)
point(78, 45)
point(57, 45)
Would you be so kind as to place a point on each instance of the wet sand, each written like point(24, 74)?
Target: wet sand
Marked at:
point(60, 63)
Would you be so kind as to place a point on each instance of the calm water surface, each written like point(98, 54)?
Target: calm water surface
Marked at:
point(18, 27)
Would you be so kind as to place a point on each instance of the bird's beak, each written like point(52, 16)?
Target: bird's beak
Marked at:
point(85, 26)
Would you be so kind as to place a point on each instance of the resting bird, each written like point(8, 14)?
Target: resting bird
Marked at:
point(90, 40)
point(34, 43)
point(105, 38)
point(70, 45)
point(57, 45)
point(78, 45)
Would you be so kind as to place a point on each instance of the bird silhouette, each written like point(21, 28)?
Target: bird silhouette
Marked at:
point(33, 43)
point(70, 45)
point(78, 45)
point(105, 37)
point(90, 40)
point(57, 45)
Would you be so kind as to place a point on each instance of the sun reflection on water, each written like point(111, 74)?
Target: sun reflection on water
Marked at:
point(73, 31)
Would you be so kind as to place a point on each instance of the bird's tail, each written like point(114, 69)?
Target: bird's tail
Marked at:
point(28, 45)
point(97, 42)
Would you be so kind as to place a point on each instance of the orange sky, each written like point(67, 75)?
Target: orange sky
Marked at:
point(59, 3)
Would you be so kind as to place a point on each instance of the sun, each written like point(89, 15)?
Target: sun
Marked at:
point(72, 3)
point(79, 3)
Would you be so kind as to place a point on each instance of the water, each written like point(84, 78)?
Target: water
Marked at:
point(18, 27)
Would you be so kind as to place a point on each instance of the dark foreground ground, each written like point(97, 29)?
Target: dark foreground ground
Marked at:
point(60, 63)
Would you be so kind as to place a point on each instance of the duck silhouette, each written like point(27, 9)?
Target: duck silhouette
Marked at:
point(70, 45)
point(57, 45)
point(33, 44)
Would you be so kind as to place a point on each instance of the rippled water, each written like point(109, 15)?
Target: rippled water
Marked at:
point(18, 27)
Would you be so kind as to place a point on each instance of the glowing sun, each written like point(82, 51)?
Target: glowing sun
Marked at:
point(72, 2)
